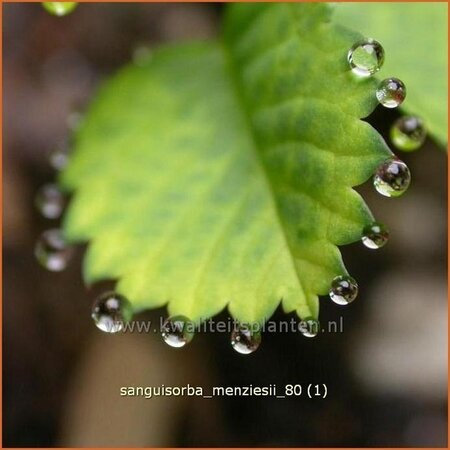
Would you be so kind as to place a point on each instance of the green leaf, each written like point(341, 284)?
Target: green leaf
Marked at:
point(59, 8)
point(221, 173)
point(414, 36)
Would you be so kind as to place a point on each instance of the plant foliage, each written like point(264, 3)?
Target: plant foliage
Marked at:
point(221, 173)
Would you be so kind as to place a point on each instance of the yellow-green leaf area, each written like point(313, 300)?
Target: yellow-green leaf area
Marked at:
point(220, 174)
point(59, 8)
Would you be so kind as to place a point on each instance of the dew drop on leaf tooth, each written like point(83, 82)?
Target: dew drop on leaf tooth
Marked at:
point(309, 327)
point(52, 250)
point(59, 8)
point(408, 133)
point(392, 178)
point(344, 290)
point(177, 331)
point(244, 339)
point(391, 92)
point(366, 57)
point(375, 235)
point(50, 201)
point(111, 311)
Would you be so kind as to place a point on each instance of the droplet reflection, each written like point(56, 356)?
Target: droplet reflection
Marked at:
point(52, 250)
point(408, 133)
point(177, 331)
point(344, 290)
point(245, 339)
point(111, 311)
point(375, 236)
point(391, 92)
point(50, 201)
point(309, 327)
point(392, 178)
point(366, 57)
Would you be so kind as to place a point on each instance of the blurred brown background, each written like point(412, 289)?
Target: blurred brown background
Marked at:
point(386, 374)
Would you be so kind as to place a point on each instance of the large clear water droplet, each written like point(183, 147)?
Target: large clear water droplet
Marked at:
point(408, 133)
point(59, 8)
point(245, 339)
point(50, 201)
point(111, 311)
point(366, 57)
point(344, 289)
point(391, 92)
point(392, 178)
point(52, 250)
point(375, 235)
point(309, 327)
point(177, 331)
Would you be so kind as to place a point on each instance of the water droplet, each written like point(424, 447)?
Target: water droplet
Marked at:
point(111, 311)
point(408, 133)
point(375, 235)
point(245, 339)
point(59, 158)
point(366, 57)
point(392, 178)
point(391, 92)
point(344, 290)
point(50, 201)
point(309, 327)
point(177, 331)
point(59, 8)
point(52, 250)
